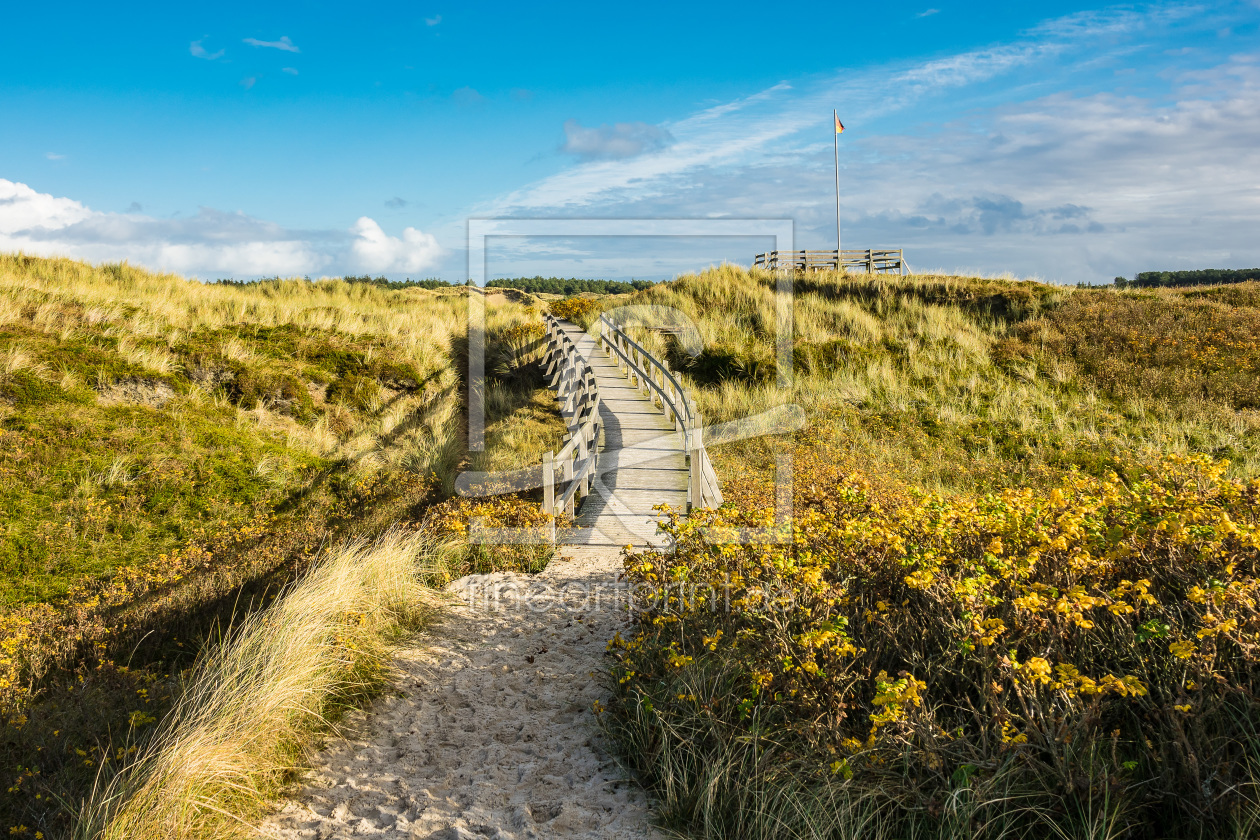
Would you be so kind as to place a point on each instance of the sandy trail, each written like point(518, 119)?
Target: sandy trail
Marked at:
point(492, 733)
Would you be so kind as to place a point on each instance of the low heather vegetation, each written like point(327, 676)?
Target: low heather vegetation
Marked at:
point(172, 454)
point(1018, 595)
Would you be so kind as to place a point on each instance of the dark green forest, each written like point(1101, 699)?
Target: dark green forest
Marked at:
point(1201, 277)
point(571, 286)
point(534, 285)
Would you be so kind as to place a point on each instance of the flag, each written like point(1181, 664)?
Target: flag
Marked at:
point(839, 125)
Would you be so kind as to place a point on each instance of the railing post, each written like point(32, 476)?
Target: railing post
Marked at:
point(549, 483)
point(665, 386)
point(696, 467)
point(659, 369)
point(570, 375)
point(581, 456)
point(592, 447)
point(568, 483)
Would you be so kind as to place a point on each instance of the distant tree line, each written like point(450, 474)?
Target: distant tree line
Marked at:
point(571, 286)
point(380, 282)
point(551, 285)
point(1202, 277)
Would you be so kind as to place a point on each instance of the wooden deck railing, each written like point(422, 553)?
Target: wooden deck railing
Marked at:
point(871, 261)
point(654, 377)
point(568, 474)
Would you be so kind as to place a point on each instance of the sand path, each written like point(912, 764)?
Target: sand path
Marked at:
point(491, 732)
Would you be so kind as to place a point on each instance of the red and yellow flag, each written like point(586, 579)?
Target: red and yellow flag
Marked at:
point(839, 125)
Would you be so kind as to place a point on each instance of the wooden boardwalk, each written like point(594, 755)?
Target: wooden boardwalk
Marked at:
point(642, 461)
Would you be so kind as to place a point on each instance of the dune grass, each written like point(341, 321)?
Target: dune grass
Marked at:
point(245, 718)
point(173, 453)
point(978, 626)
point(159, 403)
point(958, 383)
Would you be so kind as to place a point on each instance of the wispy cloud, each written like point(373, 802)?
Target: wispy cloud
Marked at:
point(1115, 20)
point(769, 127)
point(292, 71)
point(396, 203)
point(211, 243)
point(433, 21)
point(467, 96)
point(1073, 186)
point(283, 44)
point(613, 142)
point(54, 156)
point(248, 82)
point(928, 12)
point(199, 51)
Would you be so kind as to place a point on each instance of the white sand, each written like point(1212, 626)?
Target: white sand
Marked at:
point(483, 742)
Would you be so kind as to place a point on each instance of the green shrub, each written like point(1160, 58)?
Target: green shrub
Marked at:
point(359, 392)
point(282, 392)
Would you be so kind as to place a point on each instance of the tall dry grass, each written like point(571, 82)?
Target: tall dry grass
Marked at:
point(149, 315)
point(255, 699)
point(955, 381)
point(170, 448)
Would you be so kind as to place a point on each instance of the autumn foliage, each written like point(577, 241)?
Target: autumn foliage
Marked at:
point(1099, 641)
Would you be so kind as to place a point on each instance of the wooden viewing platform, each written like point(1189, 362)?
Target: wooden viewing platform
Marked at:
point(871, 261)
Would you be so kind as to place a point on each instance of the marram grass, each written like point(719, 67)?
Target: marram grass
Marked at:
point(256, 699)
point(1019, 597)
point(169, 448)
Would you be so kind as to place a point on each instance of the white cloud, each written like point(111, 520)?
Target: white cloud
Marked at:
point(433, 21)
point(623, 140)
point(211, 243)
point(775, 125)
point(197, 50)
point(283, 44)
point(292, 71)
point(1068, 186)
point(928, 12)
point(248, 82)
point(374, 250)
point(21, 209)
point(54, 156)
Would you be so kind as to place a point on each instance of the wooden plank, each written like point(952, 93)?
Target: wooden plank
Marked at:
point(642, 462)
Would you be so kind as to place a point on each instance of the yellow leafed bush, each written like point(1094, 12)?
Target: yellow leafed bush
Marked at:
point(579, 310)
point(1099, 640)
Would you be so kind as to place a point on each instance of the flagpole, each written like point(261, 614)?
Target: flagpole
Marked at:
point(839, 254)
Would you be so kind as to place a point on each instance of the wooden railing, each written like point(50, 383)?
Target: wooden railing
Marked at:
point(872, 260)
point(569, 473)
point(654, 377)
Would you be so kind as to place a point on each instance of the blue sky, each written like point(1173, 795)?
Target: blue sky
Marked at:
point(1067, 141)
